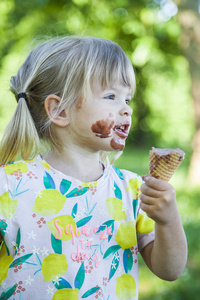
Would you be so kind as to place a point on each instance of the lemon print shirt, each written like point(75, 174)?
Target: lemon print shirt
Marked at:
point(65, 239)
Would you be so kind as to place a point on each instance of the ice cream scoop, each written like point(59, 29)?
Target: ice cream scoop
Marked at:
point(164, 162)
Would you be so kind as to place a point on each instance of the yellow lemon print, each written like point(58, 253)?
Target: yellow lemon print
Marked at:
point(8, 206)
point(11, 168)
point(133, 187)
point(144, 224)
point(45, 164)
point(116, 209)
point(126, 235)
point(4, 267)
point(89, 184)
point(54, 266)
point(49, 202)
point(125, 287)
point(63, 227)
point(68, 294)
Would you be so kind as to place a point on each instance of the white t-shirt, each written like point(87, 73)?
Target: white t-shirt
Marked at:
point(64, 239)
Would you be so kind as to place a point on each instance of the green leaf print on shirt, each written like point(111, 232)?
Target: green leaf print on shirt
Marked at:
point(18, 238)
point(90, 292)
point(118, 193)
point(119, 173)
point(135, 207)
point(80, 277)
point(56, 245)
point(54, 266)
point(74, 210)
point(61, 283)
point(48, 181)
point(48, 202)
point(8, 292)
point(83, 221)
point(8, 206)
point(3, 227)
point(20, 260)
point(114, 265)
point(111, 251)
point(127, 260)
point(64, 186)
point(115, 209)
point(77, 192)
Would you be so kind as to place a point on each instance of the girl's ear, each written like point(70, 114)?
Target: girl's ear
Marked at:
point(51, 105)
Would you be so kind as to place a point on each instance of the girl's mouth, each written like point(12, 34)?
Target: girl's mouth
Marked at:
point(121, 130)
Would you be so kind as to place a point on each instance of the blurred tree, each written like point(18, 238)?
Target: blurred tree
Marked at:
point(162, 106)
point(189, 18)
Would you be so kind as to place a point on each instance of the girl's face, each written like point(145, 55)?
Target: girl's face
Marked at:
point(103, 121)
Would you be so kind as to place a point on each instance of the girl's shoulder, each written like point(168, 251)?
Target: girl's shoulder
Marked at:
point(17, 167)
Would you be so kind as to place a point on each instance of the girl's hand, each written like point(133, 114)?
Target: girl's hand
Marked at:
point(167, 255)
point(158, 200)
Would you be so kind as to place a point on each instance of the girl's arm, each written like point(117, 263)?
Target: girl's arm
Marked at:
point(167, 255)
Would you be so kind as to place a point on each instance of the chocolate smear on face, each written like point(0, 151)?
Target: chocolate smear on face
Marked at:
point(116, 145)
point(102, 128)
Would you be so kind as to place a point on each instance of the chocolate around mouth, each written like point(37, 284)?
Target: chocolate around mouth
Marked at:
point(102, 128)
point(116, 145)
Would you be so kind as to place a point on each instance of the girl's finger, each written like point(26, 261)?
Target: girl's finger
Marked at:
point(154, 183)
point(147, 199)
point(145, 189)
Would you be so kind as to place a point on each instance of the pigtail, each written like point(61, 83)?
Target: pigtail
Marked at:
point(20, 138)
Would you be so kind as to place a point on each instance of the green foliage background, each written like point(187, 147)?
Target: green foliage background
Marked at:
point(163, 110)
point(163, 107)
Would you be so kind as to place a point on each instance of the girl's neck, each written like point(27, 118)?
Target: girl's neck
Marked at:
point(85, 167)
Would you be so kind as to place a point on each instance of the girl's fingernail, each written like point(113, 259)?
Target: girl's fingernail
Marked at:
point(146, 177)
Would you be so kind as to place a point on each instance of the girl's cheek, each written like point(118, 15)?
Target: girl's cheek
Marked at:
point(102, 128)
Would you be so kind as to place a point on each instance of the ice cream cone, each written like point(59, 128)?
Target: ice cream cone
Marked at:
point(164, 162)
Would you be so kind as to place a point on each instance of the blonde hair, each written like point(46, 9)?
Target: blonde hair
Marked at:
point(69, 67)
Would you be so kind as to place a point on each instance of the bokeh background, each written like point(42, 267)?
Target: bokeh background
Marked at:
point(162, 39)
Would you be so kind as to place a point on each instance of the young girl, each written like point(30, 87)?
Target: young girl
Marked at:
point(71, 223)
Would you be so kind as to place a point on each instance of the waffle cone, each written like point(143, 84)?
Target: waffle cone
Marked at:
point(164, 162)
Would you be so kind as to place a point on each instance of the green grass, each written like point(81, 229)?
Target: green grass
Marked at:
point(187, 287)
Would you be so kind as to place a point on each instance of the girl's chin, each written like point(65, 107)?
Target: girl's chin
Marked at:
point(117, 144)
point(114, 143)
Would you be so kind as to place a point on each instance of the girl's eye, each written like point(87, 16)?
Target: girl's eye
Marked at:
point(111, 97)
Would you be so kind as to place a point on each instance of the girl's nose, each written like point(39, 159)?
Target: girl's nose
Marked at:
point(126, 110)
